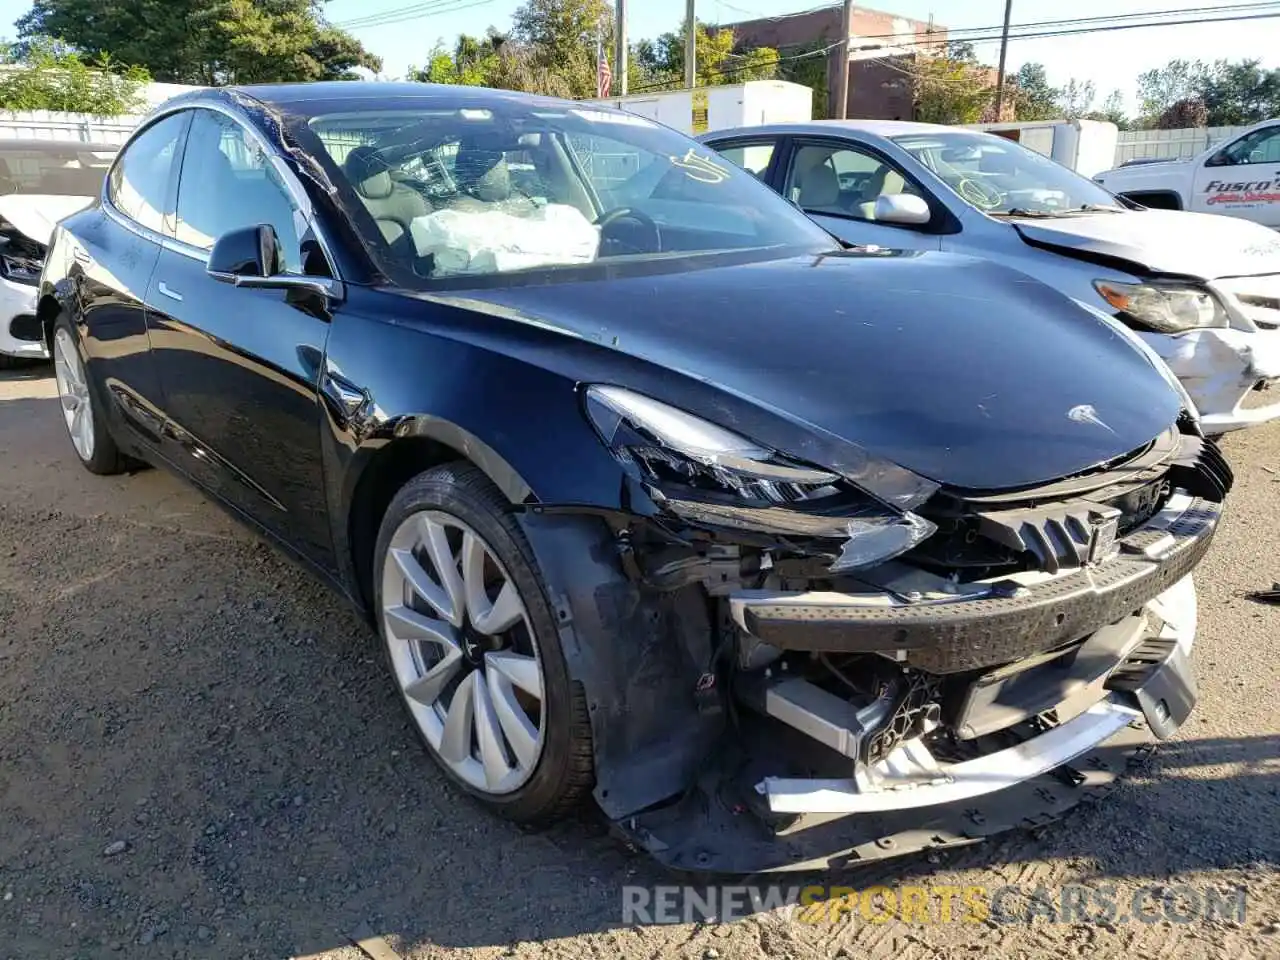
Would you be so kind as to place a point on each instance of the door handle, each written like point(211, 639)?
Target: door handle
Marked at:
point(171, 294)
point(82, 256)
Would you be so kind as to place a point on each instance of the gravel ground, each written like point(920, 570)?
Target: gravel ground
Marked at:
point(200, 757)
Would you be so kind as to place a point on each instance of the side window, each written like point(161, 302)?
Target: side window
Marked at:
point(751, 157)
point(842, 181)
point(140, 180)
point(1261, 146)
point(227, 183)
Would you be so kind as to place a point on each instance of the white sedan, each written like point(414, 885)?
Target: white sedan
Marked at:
point(1203, 291)
point(41, 182)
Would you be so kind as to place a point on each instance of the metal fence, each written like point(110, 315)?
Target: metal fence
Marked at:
point(1169, 144)
point(48, 125)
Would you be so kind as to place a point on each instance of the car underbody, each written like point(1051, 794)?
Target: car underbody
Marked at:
point(753, 711)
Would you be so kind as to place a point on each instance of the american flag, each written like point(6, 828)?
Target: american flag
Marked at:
point(604, 77)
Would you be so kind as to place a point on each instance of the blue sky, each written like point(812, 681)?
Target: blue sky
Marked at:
point(1110, 60)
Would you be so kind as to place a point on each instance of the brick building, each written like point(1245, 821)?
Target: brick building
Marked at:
point(881, 46)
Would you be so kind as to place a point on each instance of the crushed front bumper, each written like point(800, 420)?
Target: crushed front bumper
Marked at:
point(1220, 369)
point(741, 819)
point(994, 622)
point(1040, 724)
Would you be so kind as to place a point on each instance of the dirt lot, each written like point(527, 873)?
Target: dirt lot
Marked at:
point(171, 685)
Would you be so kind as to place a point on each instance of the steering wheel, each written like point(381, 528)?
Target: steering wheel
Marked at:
point(981, 195)
point(620, 214)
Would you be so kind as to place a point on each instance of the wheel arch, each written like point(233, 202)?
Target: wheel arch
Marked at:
point(418, 443)
point(1155, 199)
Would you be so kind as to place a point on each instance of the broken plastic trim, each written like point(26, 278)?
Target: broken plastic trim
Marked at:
point(873, 540)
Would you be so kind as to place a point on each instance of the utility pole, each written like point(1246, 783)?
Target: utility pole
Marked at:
point(842, 84)
point(1004, 46)
point(690, 46)
point(620, 57)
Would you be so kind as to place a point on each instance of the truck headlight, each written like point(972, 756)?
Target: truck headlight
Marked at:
point(710, 475)
point(1163, 308)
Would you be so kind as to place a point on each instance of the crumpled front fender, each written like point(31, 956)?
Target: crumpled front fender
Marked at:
point(637, 653)
point(1219, 368)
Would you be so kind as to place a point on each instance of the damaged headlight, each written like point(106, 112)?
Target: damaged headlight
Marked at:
point(1164, 309)
point(693, 464)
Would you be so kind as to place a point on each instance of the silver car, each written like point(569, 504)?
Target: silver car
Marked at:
point(1203, 291)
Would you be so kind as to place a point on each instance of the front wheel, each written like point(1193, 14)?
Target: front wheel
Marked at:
point(473, 647)
point(86, 426)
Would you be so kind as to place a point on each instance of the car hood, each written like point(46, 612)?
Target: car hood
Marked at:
point(1200, 245)
point(961, 370)
point(36, 214)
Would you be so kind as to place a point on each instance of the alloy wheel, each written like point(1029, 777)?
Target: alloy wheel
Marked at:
point(463, 651)
point(73, 393)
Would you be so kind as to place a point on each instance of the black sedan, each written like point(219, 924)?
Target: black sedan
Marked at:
point(790, 553)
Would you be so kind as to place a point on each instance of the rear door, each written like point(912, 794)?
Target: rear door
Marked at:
point(837, 183)
point(240, 366)
point(1242, 179)
point(117, 245)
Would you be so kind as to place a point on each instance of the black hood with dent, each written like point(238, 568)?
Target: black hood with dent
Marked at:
point(961, 370)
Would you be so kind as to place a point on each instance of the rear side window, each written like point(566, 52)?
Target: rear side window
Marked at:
point(227, 183)
point(140, 180)
point(751, 157)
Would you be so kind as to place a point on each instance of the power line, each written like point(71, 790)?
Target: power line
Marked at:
point(1070, 31)
point(994, 31)
point(416, 11)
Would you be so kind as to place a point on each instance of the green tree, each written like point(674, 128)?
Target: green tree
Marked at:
point(1034, 97)
point(951, 91)
point(205, 41)
point(44, 75)
point(555, 48)
point(1161, 88)
point(718, 59)
point(1076, 99)
point(1239, 93)
point(1112, 111)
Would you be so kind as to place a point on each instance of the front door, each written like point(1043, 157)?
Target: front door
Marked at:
point(1242, 179)
point(838, 184)
point(239, 367)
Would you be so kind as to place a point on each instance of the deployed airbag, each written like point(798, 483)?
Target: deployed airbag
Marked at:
point(492, 241)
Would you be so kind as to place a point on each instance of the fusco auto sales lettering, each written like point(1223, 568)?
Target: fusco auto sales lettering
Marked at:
point(1253, 191)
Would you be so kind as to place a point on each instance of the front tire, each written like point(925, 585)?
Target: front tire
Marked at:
point(473, 647)
point(87, 428)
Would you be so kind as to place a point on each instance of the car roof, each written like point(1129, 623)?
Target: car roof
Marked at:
point(875, 128)
point(313, 98)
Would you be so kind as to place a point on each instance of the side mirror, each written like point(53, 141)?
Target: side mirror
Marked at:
point(248, 252)
point(904, 208)
point(252, 257)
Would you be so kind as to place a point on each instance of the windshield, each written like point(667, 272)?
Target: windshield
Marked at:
point(61, 169)
point(999, 176)
point(515, 187)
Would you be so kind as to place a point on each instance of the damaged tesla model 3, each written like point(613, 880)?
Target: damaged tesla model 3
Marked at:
point(791, 554)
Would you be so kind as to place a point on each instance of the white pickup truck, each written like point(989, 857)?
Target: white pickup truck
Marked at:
point(1238, 178)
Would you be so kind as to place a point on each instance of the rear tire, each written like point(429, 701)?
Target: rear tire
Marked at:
point(87, 428)
point(472, 643)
